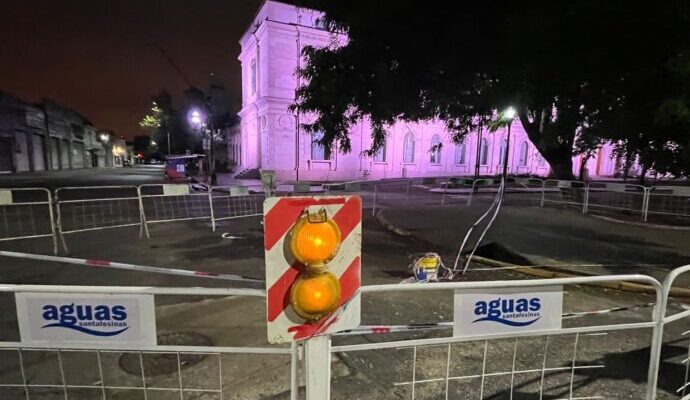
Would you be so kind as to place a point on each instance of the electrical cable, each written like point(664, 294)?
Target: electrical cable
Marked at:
point(497, 199)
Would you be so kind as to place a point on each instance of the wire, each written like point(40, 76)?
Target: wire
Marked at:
point(497, 200)
point(493, 218)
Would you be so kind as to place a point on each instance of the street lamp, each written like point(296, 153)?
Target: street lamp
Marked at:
point(507, 116)
point(104, 137)
point(197, 120)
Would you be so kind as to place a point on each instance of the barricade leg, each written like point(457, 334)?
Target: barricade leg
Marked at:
point(318, 369)
point(210, 204)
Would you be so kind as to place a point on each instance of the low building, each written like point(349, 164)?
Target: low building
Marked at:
point(48, 136)
point(270, 136)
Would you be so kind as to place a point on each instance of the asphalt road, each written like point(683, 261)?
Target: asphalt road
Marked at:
point(136, 175)
point(618, 359)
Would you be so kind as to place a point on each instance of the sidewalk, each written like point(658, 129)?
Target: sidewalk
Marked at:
point(561, 238)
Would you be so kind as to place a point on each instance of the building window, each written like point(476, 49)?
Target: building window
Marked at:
point(502, 155)
point(380, 155)
point(484, 152)
point(408, 148)
point(435, 151)
point(524, 148)
point(460, 154)
point(540, 159)
point(252, 76)
point(318, 151)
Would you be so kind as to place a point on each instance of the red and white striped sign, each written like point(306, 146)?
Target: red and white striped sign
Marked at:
point(280, 215)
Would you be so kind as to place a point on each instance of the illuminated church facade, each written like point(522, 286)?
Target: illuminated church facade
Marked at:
point(270, 137)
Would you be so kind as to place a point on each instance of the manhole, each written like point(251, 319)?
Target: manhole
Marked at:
point(166, 363)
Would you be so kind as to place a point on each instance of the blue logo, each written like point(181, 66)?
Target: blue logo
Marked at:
point(510, 312)
point(99, 320)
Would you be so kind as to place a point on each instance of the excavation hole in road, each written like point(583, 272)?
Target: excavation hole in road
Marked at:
point(158, 363)
point(498, 252)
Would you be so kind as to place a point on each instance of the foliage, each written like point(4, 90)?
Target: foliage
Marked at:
point(573, 70)
point(164, 121)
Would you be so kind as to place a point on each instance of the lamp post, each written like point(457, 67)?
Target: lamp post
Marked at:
point(197, 120)
point(507, 116)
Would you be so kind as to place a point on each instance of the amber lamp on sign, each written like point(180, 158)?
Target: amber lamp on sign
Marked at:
point(314, 242)
point(315, 294)
point(315, 239)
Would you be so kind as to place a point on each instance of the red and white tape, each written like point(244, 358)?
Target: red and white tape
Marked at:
point(130, 267)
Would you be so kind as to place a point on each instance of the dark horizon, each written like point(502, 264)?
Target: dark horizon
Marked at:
point(96, 57)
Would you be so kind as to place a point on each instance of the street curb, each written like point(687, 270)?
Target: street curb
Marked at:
point(643, 224)
point(395, 229)
point(551, 273)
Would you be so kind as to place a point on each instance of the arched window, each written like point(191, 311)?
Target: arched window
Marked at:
point(408, 148)
point(524, 148)
point(502, 155)
point(380, 155)
point(484, 152)
point(318, 151)
point(252, 76)
point(435, 150)
point(540, 159)
point(460, 153)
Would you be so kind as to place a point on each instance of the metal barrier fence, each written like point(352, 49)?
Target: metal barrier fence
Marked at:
point(518, 190)
point(90, 208)
point(567, 193)
point(172, 202)
point(230, 202)
point(538, 364)
point(671, 354)
point(27, 213)
point(607, 197)
point(577, 361)
point(89, 371)
point(664, 202)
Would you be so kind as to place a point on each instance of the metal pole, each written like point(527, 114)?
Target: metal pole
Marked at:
point(505, 154)
point(214, 179)
point(479, 154)
point(169, 142)
point(318, 369)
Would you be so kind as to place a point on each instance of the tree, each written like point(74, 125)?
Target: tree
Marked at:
point(164, 121)
point(565, 66)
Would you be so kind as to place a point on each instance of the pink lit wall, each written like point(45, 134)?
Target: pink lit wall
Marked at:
point(270, 138)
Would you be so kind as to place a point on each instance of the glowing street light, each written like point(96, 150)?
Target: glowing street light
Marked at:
point(509, 114)
point(196, 119)
point(105, 137)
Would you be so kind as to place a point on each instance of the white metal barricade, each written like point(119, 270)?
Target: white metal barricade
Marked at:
point(27, 213)
point(668, 201)
point(230, 202)
point(569, 193)
point(483, 187)
point(91, 208)
point(172, 202)
point(607, 196)
point(89, 370)
point(531, 361)
point(671, 352)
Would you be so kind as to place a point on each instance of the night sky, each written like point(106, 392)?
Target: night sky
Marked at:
point(93, 55)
